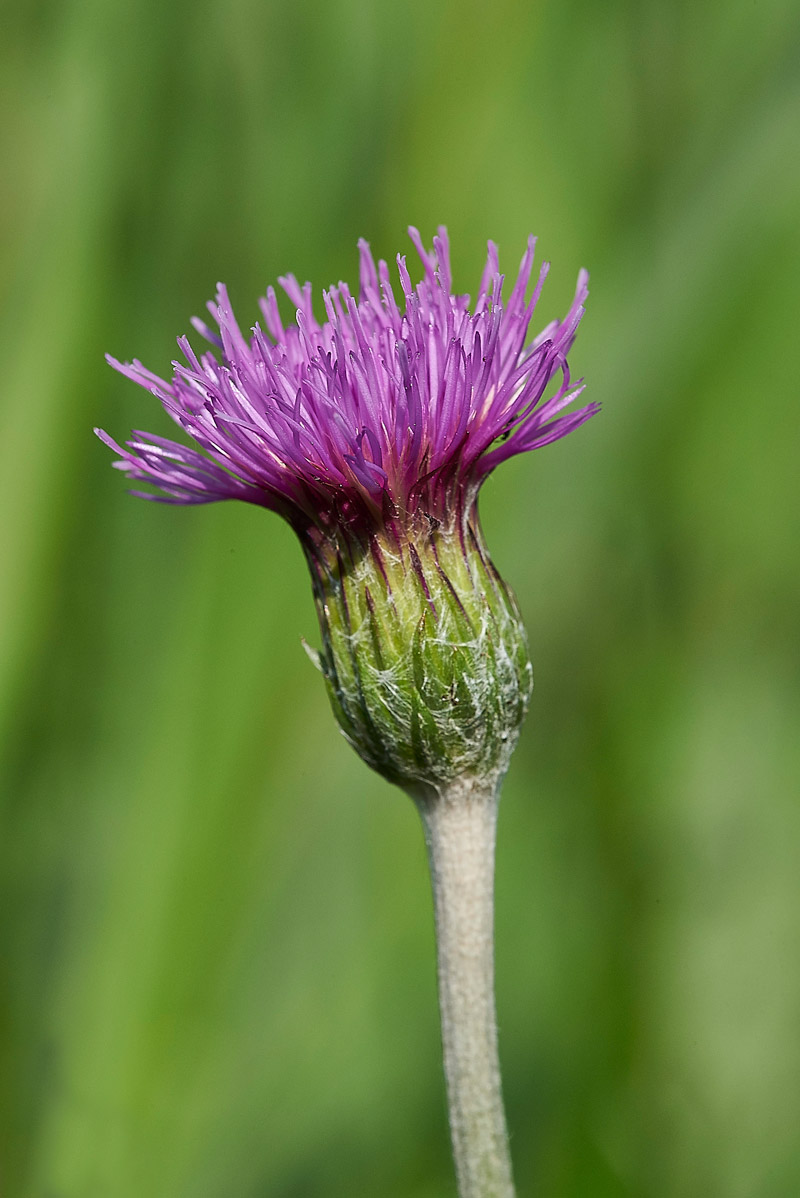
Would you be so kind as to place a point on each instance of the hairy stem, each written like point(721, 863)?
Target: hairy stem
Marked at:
point(460, 824)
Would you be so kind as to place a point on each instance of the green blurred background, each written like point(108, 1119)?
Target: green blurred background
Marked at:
point(217, 944)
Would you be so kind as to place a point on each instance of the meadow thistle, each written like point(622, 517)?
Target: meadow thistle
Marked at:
point(371, 432)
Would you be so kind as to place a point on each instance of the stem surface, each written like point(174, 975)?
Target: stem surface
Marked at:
point(460, 825)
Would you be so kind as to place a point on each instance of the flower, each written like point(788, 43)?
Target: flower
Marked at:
point(382, 409)
point(372, 433)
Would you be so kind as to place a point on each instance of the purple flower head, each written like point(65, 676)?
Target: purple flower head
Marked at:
point(384, 410)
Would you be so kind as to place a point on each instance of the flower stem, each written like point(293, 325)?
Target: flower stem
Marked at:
point(460, 823)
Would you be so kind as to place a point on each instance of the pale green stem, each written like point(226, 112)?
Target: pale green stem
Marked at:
point(460, 827)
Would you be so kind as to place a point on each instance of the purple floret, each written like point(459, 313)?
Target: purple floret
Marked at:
point(385, 408)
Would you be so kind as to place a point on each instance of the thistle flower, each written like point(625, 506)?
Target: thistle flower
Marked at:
point(372, 433)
